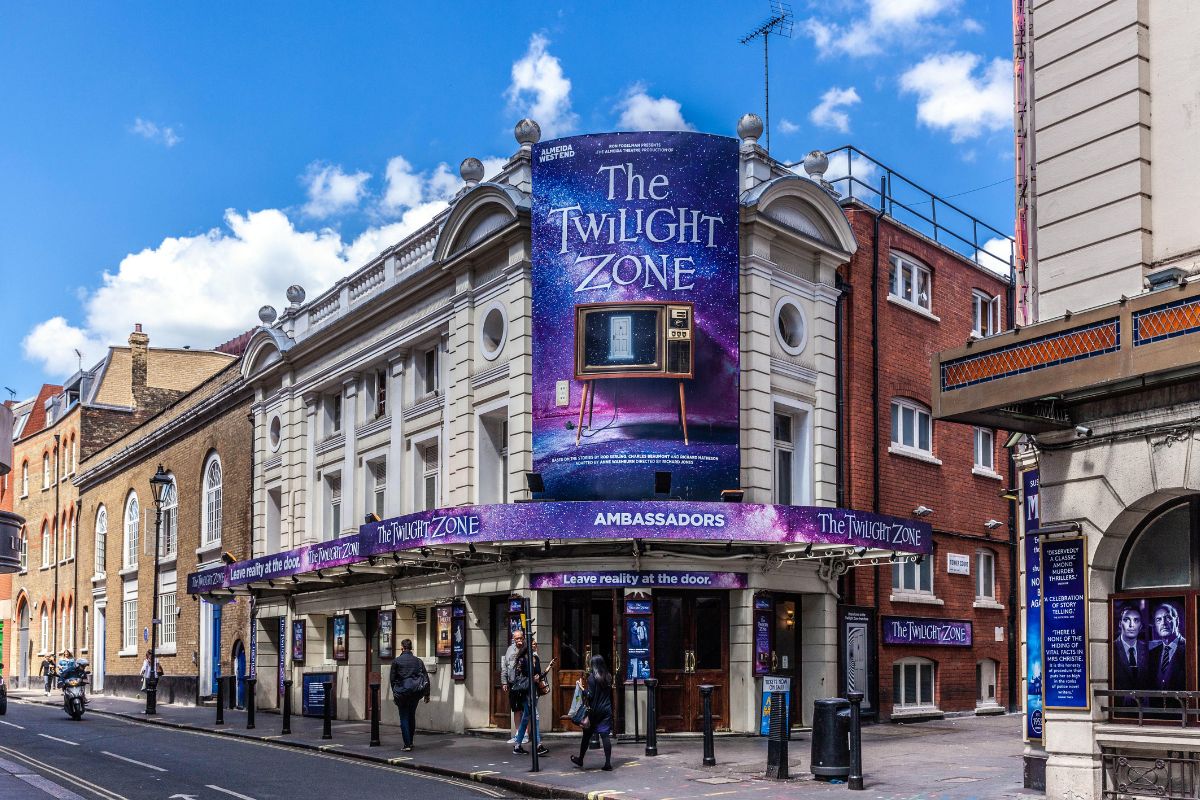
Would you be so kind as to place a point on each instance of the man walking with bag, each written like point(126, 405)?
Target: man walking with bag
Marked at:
point(409, 682)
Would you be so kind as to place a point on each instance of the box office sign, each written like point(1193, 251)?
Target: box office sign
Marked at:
point(596, 520)
point(927, 632)
point(635, 332)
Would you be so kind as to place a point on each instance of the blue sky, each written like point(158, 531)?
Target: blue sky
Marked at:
point(179, 165)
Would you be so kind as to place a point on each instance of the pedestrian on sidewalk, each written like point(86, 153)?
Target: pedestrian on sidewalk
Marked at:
point(523, 694)
point(47, 671)
point(507, 664)
point(145, 671)
point(597, 696)
point(409, 682)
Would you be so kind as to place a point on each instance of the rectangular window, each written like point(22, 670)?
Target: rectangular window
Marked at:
point(785, 454)
point(166, 616)
point(429, 461)
point(333, 491)
point(333, 414)
point(377, 486)
point(913, 578)
point(379, 393)
point(985, 568)
point(493, 457)
point(985, 314)
point(421, 642)
point(985, 449)
point(910, 283)
point(912, 684)
point(170, 532)
point(429, 374)
point(911, 426)
point(129, 624)
point(45, 471)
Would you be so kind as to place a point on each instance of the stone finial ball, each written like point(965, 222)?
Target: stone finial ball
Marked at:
point(267, 315)
point(750, 126)
point(527, 132)
point(816, 163)
point(471, 170)
point(295, 294)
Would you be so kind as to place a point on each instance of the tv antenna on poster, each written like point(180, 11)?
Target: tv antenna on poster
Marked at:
point(779, 23)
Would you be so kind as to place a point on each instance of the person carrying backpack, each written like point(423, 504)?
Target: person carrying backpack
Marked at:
point(409, 682)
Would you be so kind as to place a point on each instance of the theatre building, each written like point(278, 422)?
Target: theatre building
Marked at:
point(538, 403)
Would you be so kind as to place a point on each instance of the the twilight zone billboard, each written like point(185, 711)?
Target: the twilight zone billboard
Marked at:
point(635, 315)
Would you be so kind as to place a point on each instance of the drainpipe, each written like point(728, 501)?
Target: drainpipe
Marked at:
point(840, 390)
point(1010, 297)
point(875, 407)
point(58, 537)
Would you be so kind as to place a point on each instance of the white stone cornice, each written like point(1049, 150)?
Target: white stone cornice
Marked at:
point(790, 370)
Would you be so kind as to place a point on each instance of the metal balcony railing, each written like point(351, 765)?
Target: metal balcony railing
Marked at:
point(1139, 706)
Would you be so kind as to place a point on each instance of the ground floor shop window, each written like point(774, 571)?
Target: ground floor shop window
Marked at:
point(913, 682)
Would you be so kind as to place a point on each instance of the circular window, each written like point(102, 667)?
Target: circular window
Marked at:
point(275, 430)
point(494, 331)
point(790, 328)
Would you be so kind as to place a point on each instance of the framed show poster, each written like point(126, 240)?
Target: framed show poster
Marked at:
point(1149, 650)
point(764, 633)
point(299, 634)
point(387, 634)
point(443, 631)
point(341, 637)
point(1065, 624)
point(458, 642)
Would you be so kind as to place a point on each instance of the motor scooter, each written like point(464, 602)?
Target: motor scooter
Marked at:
point(73, 682)
point(3, 693)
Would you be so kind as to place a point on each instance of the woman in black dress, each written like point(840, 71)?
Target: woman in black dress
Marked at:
point(598, 696)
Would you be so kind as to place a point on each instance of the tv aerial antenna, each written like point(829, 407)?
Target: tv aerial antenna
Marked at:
point(779, 23)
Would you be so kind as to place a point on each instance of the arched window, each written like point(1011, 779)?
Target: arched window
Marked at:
point(985, 574)
point(45, 544)
point(45, 629)
point(169, 540)
point(24, 549)
point(45, 470)
point(71, 535)
point(101, 538)
point(132, 526)
point(24, 479)
point(913, 683)
point(211, 510)
point(74, 454)
point(1160, 554)
point(87, 632)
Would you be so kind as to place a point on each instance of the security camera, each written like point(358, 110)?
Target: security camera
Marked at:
point(992, 524)
point(1084, 431)
point(922, 511)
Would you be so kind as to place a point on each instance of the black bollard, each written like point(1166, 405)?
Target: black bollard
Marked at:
point(251, 703)
point(232, 692)
point(152, 694)
point(651, 716)
point(855, 780)
point(710, 759)
point(220, 702)
point(374, 715)
point(777, 739)
point(287, 708)
point(327, 721)
point(636, 714)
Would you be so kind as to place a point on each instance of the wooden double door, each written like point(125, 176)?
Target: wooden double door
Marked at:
point(585, 625)
point(691, 649)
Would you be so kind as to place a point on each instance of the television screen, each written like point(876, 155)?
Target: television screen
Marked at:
point(622, 338)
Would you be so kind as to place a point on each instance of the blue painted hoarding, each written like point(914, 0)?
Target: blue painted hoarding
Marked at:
point(1033, 607)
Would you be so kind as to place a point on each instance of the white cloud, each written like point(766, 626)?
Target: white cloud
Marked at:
point(829, 112)
point(153, 132)
point(403, 186)
point(842, 169)
point(886, 22)
point(956, 92)
point(540, 91)
point(995, 255)
point(641, 112)
point(787, 126)
point(971, 25)
point(54, 342)
point(332, 191)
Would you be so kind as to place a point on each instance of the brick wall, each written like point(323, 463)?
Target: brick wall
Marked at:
point(962, 501)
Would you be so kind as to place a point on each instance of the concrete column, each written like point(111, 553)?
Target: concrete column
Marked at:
point(458, 457)
point(756, 405)
point(519, 299)
point(308, 533)
point(825, 410)
point(818, 652)
point(352, 512)
point(743, 688)
point(395, 456)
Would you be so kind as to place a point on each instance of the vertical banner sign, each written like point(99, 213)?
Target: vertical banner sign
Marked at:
point(283, 645)
point(858, 654)
point(638, 621)
point(341, 637)
point(387, 635)
point(299, 642)
point(1064, 624)
point(1033, 607)
point(443, 631)
point(764, 627)
point(253, 643)
point(458, 642)
point(216, 647)
point(635, 324)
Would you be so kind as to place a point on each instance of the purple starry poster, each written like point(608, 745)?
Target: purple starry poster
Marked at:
point(635, 315)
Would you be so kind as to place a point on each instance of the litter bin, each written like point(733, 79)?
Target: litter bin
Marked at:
point(831, 738)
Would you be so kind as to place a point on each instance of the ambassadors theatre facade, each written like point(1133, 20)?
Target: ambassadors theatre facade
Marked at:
point(597, 393)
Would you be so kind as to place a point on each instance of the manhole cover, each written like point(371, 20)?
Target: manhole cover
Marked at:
point(716, 781)
point(958, 780)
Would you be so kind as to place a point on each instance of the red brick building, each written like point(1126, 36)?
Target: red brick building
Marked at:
point(906, 297)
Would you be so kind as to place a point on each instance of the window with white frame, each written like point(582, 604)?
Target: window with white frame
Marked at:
point(912, 426)
point(785, 457)
point(46, 544)
point(71, 536)
point(985, 575)
point(985, 681)
point(377, 486)
point(333, 413)
point(60, 539)
point(64, 458)
point(377, 399)
point(493, 457)
point(45, 629)
point(910, 282)
point(913, 683)
point(429, 370)
point(133, 518)
point(333, 505)
point(910, 577)
point(24, 549)
point(168, 541)
point(101, 538)
point(45, 470)
point(211, 505)
point(985, 450)
point(87, 631)
point(985, 314)
point(166, 616)
point(429, 475)
point(74, 455)
point(24, 479)
point(129, 624)
point(424, 631)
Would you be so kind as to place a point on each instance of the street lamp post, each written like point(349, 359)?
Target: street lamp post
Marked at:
point(159, 485)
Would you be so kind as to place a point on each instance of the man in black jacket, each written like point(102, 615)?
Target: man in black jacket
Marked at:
point(410, 682)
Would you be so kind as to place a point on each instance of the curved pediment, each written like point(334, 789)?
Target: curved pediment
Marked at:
point(803, 206)
point(266, 347)
point(477, 214)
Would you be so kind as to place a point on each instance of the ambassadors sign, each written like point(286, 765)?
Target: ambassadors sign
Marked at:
point(635, 324)
point(595, 520)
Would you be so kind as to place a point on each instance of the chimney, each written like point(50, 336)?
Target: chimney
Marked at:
point(139, 345)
